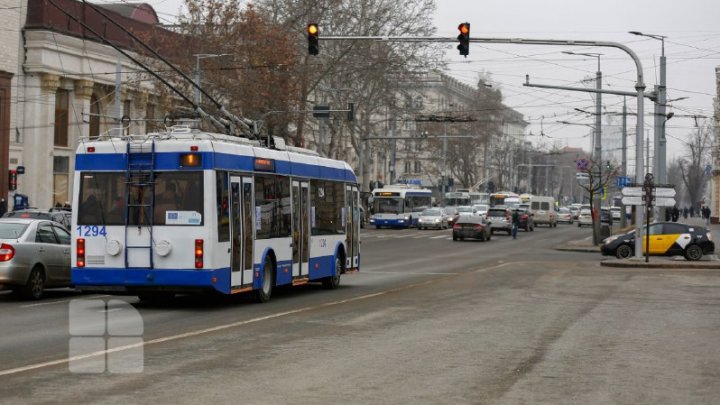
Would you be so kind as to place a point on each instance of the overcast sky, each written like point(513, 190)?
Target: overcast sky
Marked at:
point(692, 50)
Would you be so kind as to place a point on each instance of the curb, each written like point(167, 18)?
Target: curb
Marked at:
point(660, 265)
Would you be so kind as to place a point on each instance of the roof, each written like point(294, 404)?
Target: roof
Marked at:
point(142, 12)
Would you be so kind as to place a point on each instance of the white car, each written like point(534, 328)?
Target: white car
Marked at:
point(585, 217)
point(481, 209)
point(616, 213)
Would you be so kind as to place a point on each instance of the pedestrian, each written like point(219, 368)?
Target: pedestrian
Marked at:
point(675, 214)
point(515, 223)
point(3, 207)
point(685, 212)
point(707, 215)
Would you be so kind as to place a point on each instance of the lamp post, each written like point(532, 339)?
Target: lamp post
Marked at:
point(199, 56)
point(660, 104)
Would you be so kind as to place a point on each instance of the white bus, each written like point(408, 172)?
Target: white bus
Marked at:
point(399, 205)
point(189, 211)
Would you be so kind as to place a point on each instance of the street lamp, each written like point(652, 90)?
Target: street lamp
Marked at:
point(660, 103)
point(199, 56)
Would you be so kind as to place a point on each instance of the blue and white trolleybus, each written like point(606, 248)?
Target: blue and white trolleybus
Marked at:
point(189, 211)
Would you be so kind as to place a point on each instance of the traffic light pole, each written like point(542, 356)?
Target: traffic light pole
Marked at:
point(639, 85)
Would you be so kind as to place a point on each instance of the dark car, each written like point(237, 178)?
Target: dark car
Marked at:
point(60, 216)
point(666, 239)
point(471, 226)
point(527, 221)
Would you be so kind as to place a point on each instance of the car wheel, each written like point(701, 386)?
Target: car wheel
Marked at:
point(455, 237)
point(623, 251)
point(377, 226)
point(265, 291)
point(35, 287)
point(333, 282)
point(462, 238)
point(579, 225)
point(693, 253)
point(492, 232)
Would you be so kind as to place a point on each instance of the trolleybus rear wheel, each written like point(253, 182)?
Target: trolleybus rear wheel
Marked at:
point(265, 291)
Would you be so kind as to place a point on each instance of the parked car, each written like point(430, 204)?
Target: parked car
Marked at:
point(565, 216)
point(61, 217)
point(575, 209)
point(585, 217)
point(499, 218)
point(527, 219)
point(34, 254)
point(666, 239)
point(616, 213)
point(471, 226)
point(435, 218)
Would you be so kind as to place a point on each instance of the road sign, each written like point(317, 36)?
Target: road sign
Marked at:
point(664, 192)
point(582, 176)
point(633, 200)
point(623, 181)
point(632, 192)
point(664, 202)
point(658, 202)
point(582, 164)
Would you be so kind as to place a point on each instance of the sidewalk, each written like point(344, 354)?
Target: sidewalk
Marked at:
point(707, 262)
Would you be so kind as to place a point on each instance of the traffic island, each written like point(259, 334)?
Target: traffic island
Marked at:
point(677, 262)
point(579, 245)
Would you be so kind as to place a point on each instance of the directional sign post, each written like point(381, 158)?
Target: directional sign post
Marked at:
point(632, 191)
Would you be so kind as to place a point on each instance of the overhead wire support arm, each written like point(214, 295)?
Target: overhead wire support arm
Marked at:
point(238, 121)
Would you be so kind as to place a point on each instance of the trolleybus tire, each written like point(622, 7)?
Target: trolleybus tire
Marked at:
point(333, 282)
point(265, 291)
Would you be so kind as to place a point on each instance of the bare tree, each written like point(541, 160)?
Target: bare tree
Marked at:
point(597, 184)
point(692, 166)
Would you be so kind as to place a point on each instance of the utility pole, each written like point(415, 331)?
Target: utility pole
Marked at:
point(393, 148)
point(623, 217)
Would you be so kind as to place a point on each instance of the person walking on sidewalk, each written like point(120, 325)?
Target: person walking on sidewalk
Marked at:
point(515, 223)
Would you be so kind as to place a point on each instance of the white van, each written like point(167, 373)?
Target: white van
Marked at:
point(543, 209)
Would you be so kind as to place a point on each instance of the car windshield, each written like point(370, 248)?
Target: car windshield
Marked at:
point(481, 207)
point(464, 209)
point(564, 210)
point(11, 230)
point(584, 211)
point(433, 212)
point(496, 213)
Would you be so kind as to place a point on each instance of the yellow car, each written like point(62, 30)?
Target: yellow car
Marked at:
point(666, 239)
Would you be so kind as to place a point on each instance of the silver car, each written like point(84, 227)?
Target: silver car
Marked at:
point(34, 254)
point(433, 218)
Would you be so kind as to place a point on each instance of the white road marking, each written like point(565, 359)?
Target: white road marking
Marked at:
point(61, 301)
point(226, 326)
point(439, 237)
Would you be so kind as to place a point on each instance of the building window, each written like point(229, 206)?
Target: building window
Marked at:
point(126, 108)
point(61, 169)
point(418, 166)
point(407, 167)
point(61, 117)
point(94, 116)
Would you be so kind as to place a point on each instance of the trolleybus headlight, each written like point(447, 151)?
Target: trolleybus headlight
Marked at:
point(80, 252)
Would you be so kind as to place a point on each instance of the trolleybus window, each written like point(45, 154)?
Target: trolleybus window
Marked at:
point(384, 205)
point(223, 210)
point(328, 200)
point(103, 199)
point(272, 205)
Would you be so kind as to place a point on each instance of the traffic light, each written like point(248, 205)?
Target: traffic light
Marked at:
point(464, 38)
point(313, 44)
point(12, 180)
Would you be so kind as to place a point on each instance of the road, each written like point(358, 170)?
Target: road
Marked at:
point(427, 320)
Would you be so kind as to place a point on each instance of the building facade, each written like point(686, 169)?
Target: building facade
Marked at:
point(64, 79)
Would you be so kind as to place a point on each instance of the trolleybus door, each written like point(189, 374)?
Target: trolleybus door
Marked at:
point(242, 220)
point(301, 228)
point(352, 228)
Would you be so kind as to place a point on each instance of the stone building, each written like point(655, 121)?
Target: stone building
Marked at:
point(62, 80)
